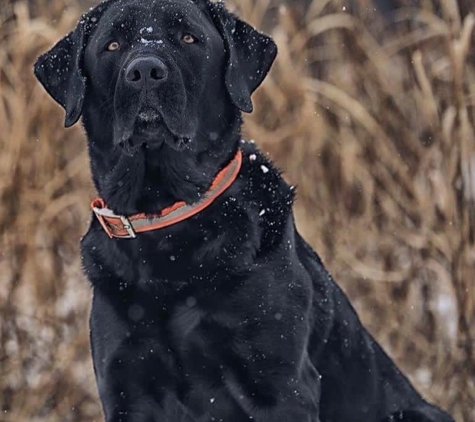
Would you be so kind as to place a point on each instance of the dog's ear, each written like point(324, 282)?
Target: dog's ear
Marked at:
point(250, 55)
point(60, 72)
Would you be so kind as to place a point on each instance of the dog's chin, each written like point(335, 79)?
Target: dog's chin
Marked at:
point(150, 132)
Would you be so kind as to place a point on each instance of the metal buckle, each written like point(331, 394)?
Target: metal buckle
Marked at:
point(128, 226)
point(101, 213)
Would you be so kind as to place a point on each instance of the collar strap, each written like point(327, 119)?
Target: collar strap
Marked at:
point(127, 227)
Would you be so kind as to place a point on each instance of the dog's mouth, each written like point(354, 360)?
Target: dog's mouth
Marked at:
point(150, 131)
point(149, 116)
point(149, 126)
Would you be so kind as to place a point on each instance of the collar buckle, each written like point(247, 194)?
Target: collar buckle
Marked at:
point(112, 223)
point(128, 226)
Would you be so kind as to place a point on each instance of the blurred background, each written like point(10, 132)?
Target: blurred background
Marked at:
point(369, 110)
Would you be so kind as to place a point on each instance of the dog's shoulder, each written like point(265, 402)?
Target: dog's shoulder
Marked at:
point(264, 191)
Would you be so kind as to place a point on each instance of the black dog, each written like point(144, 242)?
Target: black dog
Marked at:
point(222, 312)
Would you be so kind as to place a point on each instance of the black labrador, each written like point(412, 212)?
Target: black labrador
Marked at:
point(208, 304)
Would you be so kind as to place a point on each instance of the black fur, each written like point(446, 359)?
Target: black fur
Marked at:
point(229, 315)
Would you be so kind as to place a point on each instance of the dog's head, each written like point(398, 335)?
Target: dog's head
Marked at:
point(155, 67)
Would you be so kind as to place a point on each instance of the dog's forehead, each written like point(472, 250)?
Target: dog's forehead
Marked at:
point(131, 13)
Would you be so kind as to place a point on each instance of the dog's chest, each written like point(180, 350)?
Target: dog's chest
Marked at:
point(200, 347)
point(184, 323)
point(197, 340)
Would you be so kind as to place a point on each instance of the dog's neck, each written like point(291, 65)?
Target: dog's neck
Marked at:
point(148, 180)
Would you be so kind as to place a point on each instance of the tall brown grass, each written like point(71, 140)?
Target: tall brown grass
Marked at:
point(372, 120)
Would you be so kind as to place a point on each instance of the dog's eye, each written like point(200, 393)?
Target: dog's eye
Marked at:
point(188, 39)
point(112, 46)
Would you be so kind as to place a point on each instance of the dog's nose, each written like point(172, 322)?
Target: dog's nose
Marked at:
point(145, 72)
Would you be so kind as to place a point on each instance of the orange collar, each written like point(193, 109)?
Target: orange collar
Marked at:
point(127, 227)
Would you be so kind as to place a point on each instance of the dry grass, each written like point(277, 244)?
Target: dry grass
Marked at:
point(373, 122)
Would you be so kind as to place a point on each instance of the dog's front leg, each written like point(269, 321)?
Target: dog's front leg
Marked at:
point(275, 387)
point(274, 396)
point(131, 392)
point(146, 409)
point(135, 369)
